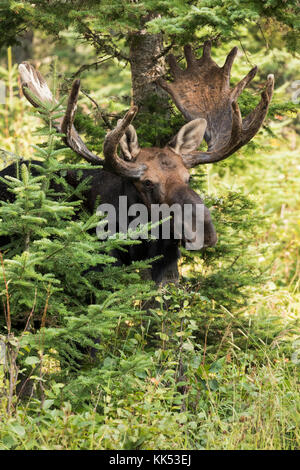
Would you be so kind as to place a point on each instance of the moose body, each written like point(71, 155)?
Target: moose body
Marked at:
point(151, 176)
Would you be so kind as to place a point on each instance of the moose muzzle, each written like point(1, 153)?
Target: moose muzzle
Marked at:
point(193, 223)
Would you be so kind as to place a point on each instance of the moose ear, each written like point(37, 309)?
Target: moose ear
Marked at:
point(189, 137)
point(129, 143)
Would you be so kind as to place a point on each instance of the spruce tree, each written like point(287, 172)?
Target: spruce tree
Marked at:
point(61, 289)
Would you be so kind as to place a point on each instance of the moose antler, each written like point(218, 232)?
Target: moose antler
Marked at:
point(111, 142)
point(32, 81)
point(37, 92)
point(203, 90)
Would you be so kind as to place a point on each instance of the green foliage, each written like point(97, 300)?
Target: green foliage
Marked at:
point(49, 252)
point(112, 363)
point(176, 18)
point(205, 366)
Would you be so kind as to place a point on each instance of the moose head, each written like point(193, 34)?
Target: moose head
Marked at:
point(203, 94)
point(159, 174)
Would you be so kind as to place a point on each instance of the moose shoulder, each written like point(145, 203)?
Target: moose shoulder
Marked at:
point(160, 175)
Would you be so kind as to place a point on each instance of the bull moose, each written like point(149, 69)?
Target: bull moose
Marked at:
point(203, 94)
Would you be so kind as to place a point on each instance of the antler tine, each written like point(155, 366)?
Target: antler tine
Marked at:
point(173, 64)
point(112, 140)
point(68, 119)
point(72, 138)
point(229, 60)
point(257, 115)
point(237, 90)
point(206, 54)
point(189, 55)
point(236, 124)
point(32, 80)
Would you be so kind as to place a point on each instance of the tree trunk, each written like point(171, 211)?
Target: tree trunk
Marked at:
point(23, 51)
point(147, 65)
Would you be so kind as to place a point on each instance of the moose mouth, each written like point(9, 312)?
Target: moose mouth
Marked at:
point(193, 240)
point(208, 242)
point(196, 224)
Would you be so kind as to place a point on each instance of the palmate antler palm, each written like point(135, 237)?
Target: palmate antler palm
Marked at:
point(203, 90)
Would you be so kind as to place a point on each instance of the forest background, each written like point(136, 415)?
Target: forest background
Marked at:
point(214, 363)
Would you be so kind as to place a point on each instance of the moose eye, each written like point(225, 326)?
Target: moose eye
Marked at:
point(148, 184)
